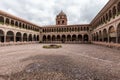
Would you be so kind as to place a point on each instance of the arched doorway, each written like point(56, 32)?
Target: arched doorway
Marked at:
point(86, 38)
point(118, 33)
point(68, 37)
point(63, 38)
point(97, 37)
point(105, 35)
point(25, 37)
point(18, 36)
point(35, 38)
point(44, 38)
point(79, 37)
point(53, 38)
point(30, 37)
point(10, 36)
point(1, 36)
point(58, 37)
point(48, 38)
point(74, 38)
point(112, 34)
point(100, 36)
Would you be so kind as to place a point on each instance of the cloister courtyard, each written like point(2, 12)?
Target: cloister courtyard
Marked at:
point(71, 62)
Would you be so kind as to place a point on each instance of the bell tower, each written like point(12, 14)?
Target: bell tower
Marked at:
point(61, 19)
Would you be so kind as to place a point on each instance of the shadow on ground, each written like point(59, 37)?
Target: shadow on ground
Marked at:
point(56, 67)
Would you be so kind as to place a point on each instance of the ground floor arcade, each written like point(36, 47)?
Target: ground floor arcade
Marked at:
point(109, 34)
point(11, 36)
point(66, 38)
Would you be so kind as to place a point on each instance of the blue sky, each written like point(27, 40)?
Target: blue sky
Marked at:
point(43, 12)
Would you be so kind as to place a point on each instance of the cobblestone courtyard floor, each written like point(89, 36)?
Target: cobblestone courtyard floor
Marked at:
point(71, 62)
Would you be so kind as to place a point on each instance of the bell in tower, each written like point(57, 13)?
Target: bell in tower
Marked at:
point(61, 19)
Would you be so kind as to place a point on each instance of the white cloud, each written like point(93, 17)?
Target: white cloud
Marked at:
point(43, 12)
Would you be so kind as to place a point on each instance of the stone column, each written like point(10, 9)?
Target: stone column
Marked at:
point(21, 37)
point(82, 38)
point(116, 38)
point(108, 39)
point(14, 38)
point(5, 38)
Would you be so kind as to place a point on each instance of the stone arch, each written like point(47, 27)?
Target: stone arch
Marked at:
point(10, 36)
point(79, 37)
point(30, 37)
point(7, 21)
point(16, 23)
point(12, 22)
point(110, 14)
point(63, 38)
point(78, 29)
point(81, 28)
point(97, 36)
point(44, 38)
point(100, 36)
point(84, 28)
point(118, 8)
point(103, 19)
point(49, 38)
point(53, 38)
point(20, 24)
point(68, 37)
point(105, 35)
point(18, 36)
point(114, 11)
point(23, 25)
point(112, 34)
point(87, 28)
point(26, 26)
point(58, 37)
point(106, 16)
point(86, 38)
point(74, 37)
point(1, 19)
point(73, 29)
point(25, 37)
point(35, 37)
point(118, 32)
point(1, 35)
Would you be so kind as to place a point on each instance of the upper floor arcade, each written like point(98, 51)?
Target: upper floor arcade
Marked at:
point(110, 13)
point(65, 28)
point(10, 20)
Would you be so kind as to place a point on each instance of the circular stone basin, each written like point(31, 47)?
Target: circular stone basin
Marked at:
point(52, 46)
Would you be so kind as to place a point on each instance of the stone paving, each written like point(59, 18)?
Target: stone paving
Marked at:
point(71, 62)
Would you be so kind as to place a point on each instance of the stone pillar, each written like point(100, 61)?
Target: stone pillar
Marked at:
point(4, 38)
point(22, 38)
point(108, 39)
point(14, 38)
point(102, 37)
point(82, 38)
point(116, 38)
